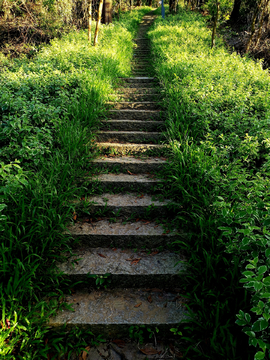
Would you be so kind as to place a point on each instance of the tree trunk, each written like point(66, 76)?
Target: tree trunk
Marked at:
point(215, 27)
point(236, 11)
point(98, 21)
point(139, 3)
point(261, 21)
point(89, 20)
point(253, 26)
point(171, 5)
point(107, 12)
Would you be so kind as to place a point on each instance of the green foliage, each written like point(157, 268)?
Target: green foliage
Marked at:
point(226, 7)
point(218, 128)
point(141, 333)
point(101, 280)
point(49, 110)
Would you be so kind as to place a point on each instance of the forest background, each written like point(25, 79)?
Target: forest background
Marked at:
point(40, 160)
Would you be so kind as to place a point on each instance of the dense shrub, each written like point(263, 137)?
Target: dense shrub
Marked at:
point(218, 128)
point(50, 108)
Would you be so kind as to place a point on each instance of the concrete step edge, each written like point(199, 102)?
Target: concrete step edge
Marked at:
point(130, 163)
point(126, 205)
point(127, 268)
point(112, 312)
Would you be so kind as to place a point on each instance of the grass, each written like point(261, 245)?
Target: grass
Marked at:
point(50, 108)
point(218, 129)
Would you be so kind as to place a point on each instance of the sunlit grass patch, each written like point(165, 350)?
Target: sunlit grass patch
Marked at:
point(50, 108)
point(218, 127)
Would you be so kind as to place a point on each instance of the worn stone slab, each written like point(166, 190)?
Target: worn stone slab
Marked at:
point(134, 351)
point(141, 64)
point(140, 105)
point(144, 79)
point(127, 204)
point(139, 90)
point(127, 182)
point(126, 149)
point(127, 268)
point(142, 137)
point(139, 72)
point(131, 234)
point(140, 51)
point(130, 163)
point(141, 56)
point(139, 84)
point(112, 312)
point(140, 97)
point(135, 114)
point(141, 38)
point(133, 125)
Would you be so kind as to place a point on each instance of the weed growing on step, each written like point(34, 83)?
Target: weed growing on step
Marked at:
point(49, 109)
point(101, 281)
point(218, 129)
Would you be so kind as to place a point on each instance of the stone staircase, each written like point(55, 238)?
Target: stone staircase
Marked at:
point(127, 247)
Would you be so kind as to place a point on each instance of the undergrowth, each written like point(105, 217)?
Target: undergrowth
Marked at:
point(49, 111)
point(218, 129)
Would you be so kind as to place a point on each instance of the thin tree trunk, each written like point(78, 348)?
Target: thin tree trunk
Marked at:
point(253, 26)
point(98, 22)
point(107, 12)
point(89, 20)
point(261, 22)
point(171, 5)
point(119, 9)
point(215, 27)
point(236, 11)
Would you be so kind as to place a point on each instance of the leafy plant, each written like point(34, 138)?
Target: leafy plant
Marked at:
point(49, 111)
point(218, 176)
point(101, 280)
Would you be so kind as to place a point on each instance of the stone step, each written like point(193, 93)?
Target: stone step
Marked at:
point(140, 105)
point(143, 51)
point(112, 312)
point(141, 65)
point(109, 148)
point(141, 79)
point(136, 234)
point(139, 97)
point(140, 56)
point(126, 205)
point(140, 137)
point(131, 114)
point(139, 90)
point(143, 68)
point(127, 182)
point(142, 38)
point(139, 73)
point(132, 125)
point(130, 163)
point(142, 47)
point(127, 268)
point(140, 84)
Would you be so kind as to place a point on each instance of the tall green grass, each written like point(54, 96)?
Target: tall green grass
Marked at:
point(50, 108)
point(218, 127)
